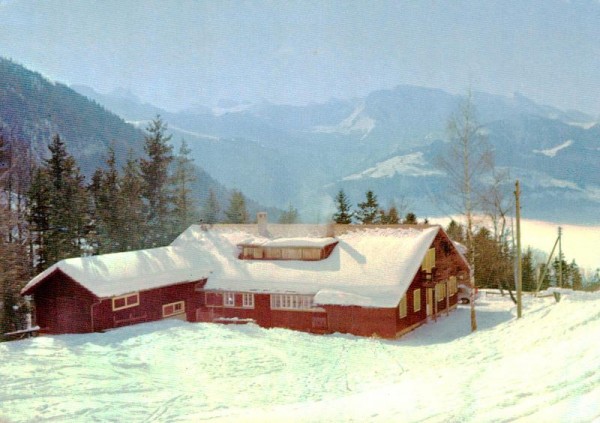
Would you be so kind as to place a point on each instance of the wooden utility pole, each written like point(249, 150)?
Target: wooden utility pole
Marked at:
point(519, 269)
point(560, 260)
point(545, 269)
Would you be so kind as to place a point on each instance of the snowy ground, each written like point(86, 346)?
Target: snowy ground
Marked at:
point(542, 368)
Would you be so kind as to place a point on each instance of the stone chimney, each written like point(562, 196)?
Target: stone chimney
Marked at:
point(261, 220)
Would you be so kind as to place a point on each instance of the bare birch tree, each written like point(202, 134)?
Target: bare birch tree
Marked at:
point(497, 203)
point(467, 159)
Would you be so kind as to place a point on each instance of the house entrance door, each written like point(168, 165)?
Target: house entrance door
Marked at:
point(429, 301)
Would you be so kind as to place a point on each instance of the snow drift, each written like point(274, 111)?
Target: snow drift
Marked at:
point(543, 367)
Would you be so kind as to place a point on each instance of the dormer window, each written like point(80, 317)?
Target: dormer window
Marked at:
point(304, 249)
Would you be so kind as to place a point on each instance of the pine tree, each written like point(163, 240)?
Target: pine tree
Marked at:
point(56, 165)
point(493, 261)
point(545, 284)
point(343, 214)
point(131, 236)
point(184, 209)
point(484, 260)
point(576, 278)
point(392, 217)
point(382, 217)
point(39, 195)
point(59, 210)
point(566, 272)
point(107, 206)
point(237, 212)
point(410, 219)
point(367, 212)
point(529, 280)
point(70, 217)
point(289, 216)
point(155, 183)
point(211, 209)
point(455, 231)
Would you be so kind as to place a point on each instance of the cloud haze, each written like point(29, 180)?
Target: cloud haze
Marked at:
point(178, 53)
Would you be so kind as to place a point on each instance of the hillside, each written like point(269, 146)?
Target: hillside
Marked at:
point(542, 367)
point(35, 109)
point(388, 141)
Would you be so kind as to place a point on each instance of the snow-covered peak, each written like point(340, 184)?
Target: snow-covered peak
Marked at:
point(551, 152)
point(413, 164)
point(358, 121)
point(238, 108)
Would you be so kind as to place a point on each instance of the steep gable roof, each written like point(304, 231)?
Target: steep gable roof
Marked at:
point(370, 267)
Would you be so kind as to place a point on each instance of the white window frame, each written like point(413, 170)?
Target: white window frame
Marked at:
point(247, 300)
point(175, 312)
point(292, 302)
point(403, 308)
point(417, 300)
point(229, 299)
point(124, 297)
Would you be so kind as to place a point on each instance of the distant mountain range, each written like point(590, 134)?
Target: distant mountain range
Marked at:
point(279, 155)
point(35, 109)
point(388, 142)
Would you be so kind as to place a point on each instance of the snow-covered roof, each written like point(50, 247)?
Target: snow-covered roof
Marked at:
point(303, 242)
point(108, 275)
point(371, 267)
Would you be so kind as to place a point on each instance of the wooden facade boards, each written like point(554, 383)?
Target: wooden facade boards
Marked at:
point(63, 306)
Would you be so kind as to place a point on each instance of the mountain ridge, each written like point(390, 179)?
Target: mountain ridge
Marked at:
point(34, 109)
point(302, 155)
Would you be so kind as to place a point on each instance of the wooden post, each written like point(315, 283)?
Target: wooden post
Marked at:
point(435, 305)
point(560, 260)
point(545, 269)
point(447, 299)
point(519, 269)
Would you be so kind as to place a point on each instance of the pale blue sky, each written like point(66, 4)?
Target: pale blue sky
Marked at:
point(176, 53)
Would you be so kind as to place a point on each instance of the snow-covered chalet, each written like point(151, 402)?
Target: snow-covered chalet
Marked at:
point(363, 280)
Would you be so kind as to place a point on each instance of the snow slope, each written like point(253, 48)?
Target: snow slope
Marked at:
point(413, 164)
point(542, 368)
point(358, 121)
point(551, 152)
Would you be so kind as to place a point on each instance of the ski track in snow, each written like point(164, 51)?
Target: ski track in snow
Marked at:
point(541, 368)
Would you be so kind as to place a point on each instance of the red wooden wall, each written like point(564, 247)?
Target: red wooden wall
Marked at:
point(149, 308)
point(62, 305)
